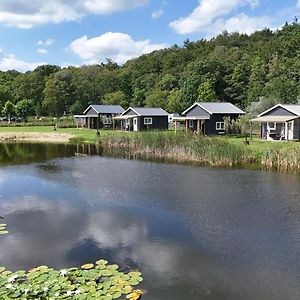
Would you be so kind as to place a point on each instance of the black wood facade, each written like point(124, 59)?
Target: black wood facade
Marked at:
point(199, 119)
point(144, 122)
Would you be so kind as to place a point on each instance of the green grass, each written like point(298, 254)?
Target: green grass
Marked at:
point(227, 150)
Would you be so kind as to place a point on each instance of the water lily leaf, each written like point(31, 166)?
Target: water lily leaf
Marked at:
point(87, 266)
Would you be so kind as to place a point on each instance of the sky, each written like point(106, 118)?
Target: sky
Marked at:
point(78, 32)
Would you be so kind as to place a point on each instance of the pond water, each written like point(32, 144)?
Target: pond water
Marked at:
point(194, 232)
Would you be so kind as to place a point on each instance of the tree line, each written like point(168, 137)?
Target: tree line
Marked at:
point(251, 71)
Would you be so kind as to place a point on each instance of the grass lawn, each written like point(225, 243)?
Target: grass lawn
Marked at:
point(80, 135)
point(89, 136)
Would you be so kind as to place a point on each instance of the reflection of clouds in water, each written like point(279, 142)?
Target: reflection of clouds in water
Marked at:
point(112, 230)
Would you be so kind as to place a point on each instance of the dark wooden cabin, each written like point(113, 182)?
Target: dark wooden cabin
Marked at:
point(207, 118)
point(143, 118)
point(99, 116)
point(280, 122)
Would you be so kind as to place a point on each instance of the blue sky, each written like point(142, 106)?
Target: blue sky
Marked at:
point(76, 32)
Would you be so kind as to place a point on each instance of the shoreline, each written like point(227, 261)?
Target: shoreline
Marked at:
point(179, 148)
point(36, 137)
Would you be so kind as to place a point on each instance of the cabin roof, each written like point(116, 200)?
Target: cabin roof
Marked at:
point(147, 111)
point(293, 108)
point(105, 109)
point(216, 108)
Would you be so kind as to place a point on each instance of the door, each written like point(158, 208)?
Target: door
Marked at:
point(290, 130)
point(135, 124)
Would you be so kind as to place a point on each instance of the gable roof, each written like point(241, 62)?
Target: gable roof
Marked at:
point(105, 109)
point(216, 108)
point(147, 111)
point(293, 108)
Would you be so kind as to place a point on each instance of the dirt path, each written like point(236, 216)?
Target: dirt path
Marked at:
point(35, 137)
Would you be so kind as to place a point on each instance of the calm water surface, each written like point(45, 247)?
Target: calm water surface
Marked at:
point(195, 233)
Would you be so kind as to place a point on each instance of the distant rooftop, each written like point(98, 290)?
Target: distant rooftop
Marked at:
point(149, 111)
point(217, 108)
point(106, 109)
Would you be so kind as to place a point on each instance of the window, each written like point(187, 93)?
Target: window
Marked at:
point(191, 124)
point(272, 125)
point(106, 121)
point(220, 126)
point(148, 121)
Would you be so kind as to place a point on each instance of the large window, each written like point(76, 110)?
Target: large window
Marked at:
point(191, 124)
point(220, 126)
point(148, 121)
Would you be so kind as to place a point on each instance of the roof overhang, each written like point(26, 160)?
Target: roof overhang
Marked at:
point(126, 117)
point(278, 119)
point(86, 116)
point(190, 118)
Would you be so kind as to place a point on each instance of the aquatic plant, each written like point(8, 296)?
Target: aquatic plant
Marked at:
point(91, 281)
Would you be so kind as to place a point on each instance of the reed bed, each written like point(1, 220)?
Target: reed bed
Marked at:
point(213, 151)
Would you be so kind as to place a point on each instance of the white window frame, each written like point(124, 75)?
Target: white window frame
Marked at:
point(191, 123)
point(220, 125)
point(147, 121)
point(127, 122)
point(274, 125)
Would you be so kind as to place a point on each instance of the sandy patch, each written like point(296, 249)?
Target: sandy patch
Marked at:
point(35, 136)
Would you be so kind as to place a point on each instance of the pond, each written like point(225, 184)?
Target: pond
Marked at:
point(194, 232)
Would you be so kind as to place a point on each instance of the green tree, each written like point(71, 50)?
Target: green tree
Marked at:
point(8, 110)
point(116, 98)
point(174, 103)
point(25, 108)
point(206, 92)
point(157, 98)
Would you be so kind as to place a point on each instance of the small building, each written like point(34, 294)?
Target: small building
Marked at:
point(207, 118)
point(99, 116)
point(143, 118)
point(280, 122)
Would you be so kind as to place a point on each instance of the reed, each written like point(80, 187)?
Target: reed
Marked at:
point(214, 151)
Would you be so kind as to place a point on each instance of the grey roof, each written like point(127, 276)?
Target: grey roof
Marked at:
point(149, 111)
point(106, 109)
point(293, 108)
point(217, 108)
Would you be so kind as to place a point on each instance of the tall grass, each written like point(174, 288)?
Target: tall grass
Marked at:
point(182, 147)
point(214, 151)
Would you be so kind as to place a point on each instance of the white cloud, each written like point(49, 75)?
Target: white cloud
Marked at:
point(26, 14)
point(242, 23)
point(46, 43)
point(208, 17)
point(118, 46)
point(11, 62)
point(298, 4)
point(42, 51)
point(157, 13)
point(111, 6)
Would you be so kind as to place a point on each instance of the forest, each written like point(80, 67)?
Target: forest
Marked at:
point(253, 72)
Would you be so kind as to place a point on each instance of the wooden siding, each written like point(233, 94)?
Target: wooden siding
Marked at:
point(297, 129)
point(279, 111)
point(130, 112)
point(197, 111)
point(91, 111)
point(158, 122)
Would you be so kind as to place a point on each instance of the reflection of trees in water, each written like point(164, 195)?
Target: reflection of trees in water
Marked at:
point(22, 153)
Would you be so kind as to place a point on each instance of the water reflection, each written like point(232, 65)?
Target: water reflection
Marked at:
point(196, 233)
